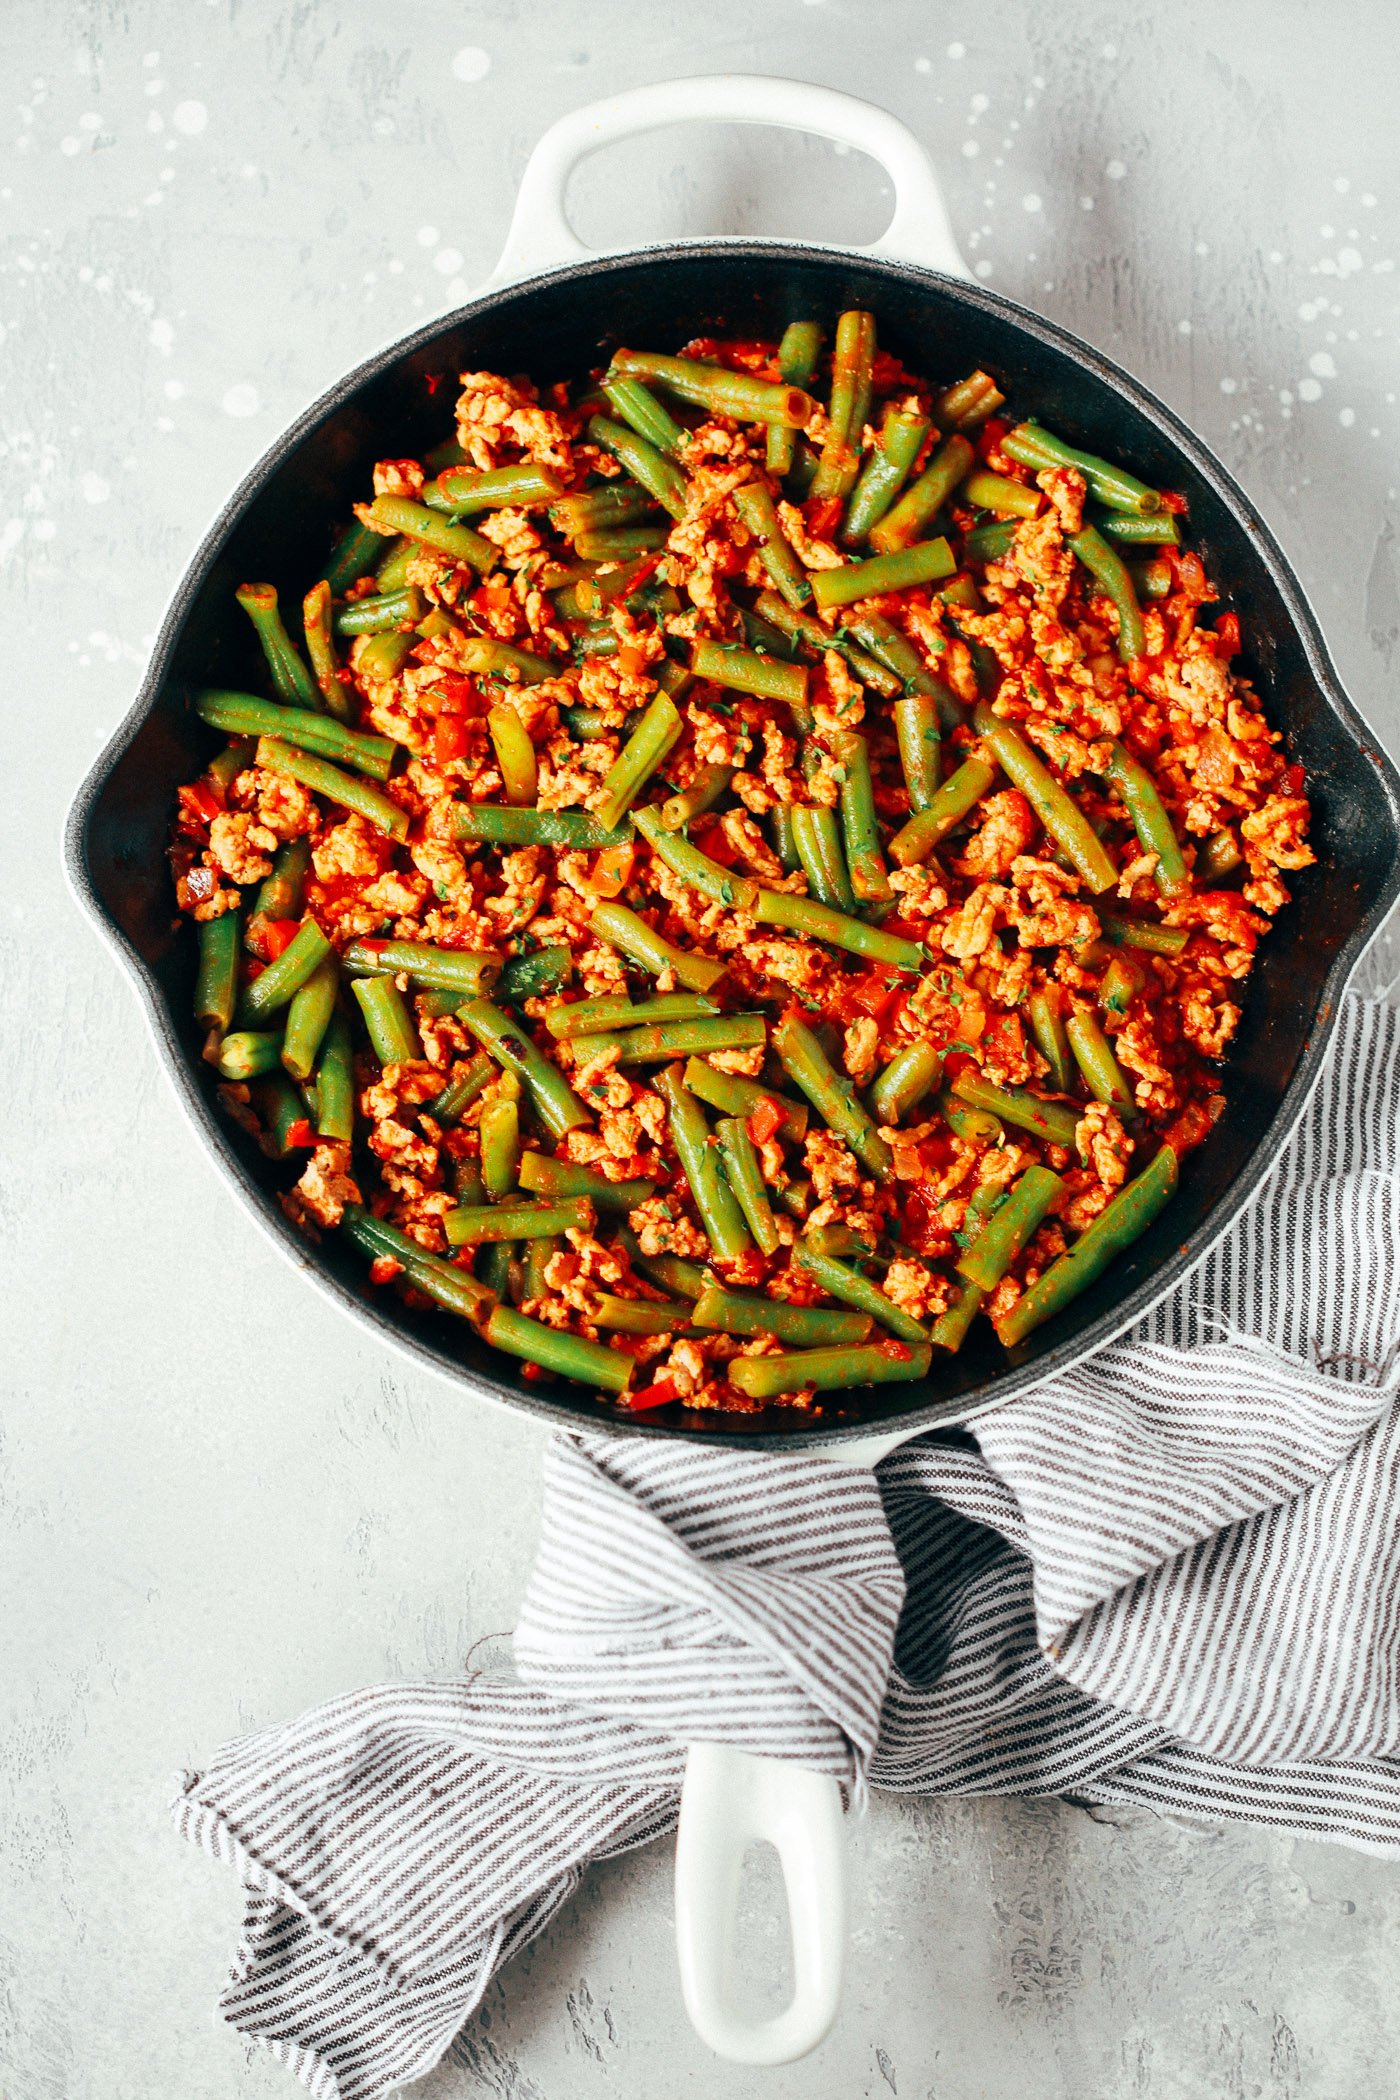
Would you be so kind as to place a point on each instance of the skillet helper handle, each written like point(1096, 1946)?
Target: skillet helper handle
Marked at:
point(540, 235)
point(729, 1802)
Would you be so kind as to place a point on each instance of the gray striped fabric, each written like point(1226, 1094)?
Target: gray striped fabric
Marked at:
point(1170, 1579)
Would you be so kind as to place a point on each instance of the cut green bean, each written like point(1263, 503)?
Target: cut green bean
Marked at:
point(556, 1104)
point(324, 779)
point(280, 895)
point(599, 510)
point(852, 383)
point(709, 786)
point(216, 980)
point(808, 1326)
point(497, 824)
point(441, 1280)
point(273, 989)
point(1033, 446)
point(999, 493)
point(497, 1264)
point(555, 1350)
point(860, 830)
point(910, 1074)
point(291, 680)
point(613, 1010)
point(1219, 856)
point(839, 1243)
point(515, 756)
point(831, 1094)
point(1093, 1053)
point(976, 1126)
point(392, 572)
point(499, 1131)
point(235, 758)
point(805, 627)
point(745, 672)
point(460, 490)
point(817, 837)
point(926, 562)
point(1048, 1028)
point(969, 403)
point(949, 1330)
point(381, 615)
point(895, 650)
point(657, 474)
point(354, 555)
point(693, 866)
point(734, 1095)
point(416, 522)
point(638, 1315)
point(392, 1035)
point(282, 1112)
point(480, 1225)
point(308, 1018)
point(466, 971)
point(544, 1176)
point(335, 1083)
point(622, 928)
point(1151, 579)
point(332, 682)
point(959, 794)
point(797, 362)
point(1050, 1120)
point(920, 739)
point(684, 1279)
point(637, 407)
point(847, 1284)
point(990, 542)
point(1155, 529)
point(620, 542)
point(884, 473)
point(1149, 935)
point(671, 1039)
point(537, 1258)
point(922, 500)
point(1124, 1219)
point(531, 976)
point(785, 837)
point(755, 506)
point(714, 387)
point(470, 1083)
point(716, 1202)
point(654, 736)
point(380, 657)
point(770, 1377)
point(240, 714)
point(1120, 984)
point(1060, 815)
point(996, 1247)
point(1153, 826)
point(745, 1177)
point(248, 1053)
point(1107, 568)
point(805, 915)
point(483, 656)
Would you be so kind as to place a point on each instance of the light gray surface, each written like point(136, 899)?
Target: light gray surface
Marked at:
point(221, 1504)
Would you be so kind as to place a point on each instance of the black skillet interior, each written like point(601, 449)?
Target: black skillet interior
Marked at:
point(283, 519)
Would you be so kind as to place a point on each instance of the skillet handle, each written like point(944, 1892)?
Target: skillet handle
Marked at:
point(731, 1800)
point(540, 235)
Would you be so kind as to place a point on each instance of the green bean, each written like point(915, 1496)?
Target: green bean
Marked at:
point(497, 824)
point(685, 1279)
point(441, 1280)
point(235, 758)
point(994, 1250)
point(1103, 1075)
point(622, 928)
point(544, 1176)
point(769, 1377)
point(922, 500)
point(817, 838)
point(716, 1202)
point(531, 976)
point(1107, 568)
point(968, 403)
point(1153, 826)
point(744, 672)
point(795, 1197)
point(976, 1126)
point(328, 780)
point(722, 392)
point(990, 542)
point(809, 1326)
point(459, 1093)
point(482, 656)
point(949, 1330)
point(838, 1243)
point(240, 714)
point(959, 794)
point(392, 572)
point(622, 541)
point(248, 1053)
point(852, 382)
point(466, 971)
point(216, 980)
point(831, 1094)
point(755, 506)
point(556, 1104)
point(638, 1315)
point(920, 740)
point(784, 837)
point(554, 1350)
point(477, 1225)
point(335, 1083)
point(392, 1035)
point(745, 1177)
point(1124, 1219)
point(657, 474)
point(998, 492)
point(693, 866)
point(497, 1263)
point(734, 1095)
point(291, 680)
point(852, 1288)
point(1060, 815)
point(869, 877)
point(308, 1018)
point(884, 473)
point(599, 510)
point(806, 915)
point(515, 756)
point(897, 652)
point(416, 522)
point(280, 895)
point(797, 362)
point(499, 1132)
point(537, 1258)
point(961, 591)
point(1156, 529)
point(636, 405)
point(353, 556)
point(462, 489)
point(1048, 1027)
point(710, 785)
point(671, 1039)
point(1120, 984)
point(654, 736)
point(269, 992)
point(803, 627)
point(282, 1112)
point(924, 563)
point(1151, 579)
point(404, 608)
point(1147, 934)
point(910, 1074)
point(380, 657)
point(332, 682)
point(1032, 446)
point(611, 1010)
point(1220, 856)
point(1044, 1119)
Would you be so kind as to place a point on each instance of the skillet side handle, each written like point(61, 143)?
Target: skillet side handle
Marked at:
point(540, 234)
point(731, 1800)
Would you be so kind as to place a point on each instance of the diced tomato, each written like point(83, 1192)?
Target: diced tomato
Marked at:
point(991, 435)
point(278, 935)
point(897, 1351)
point(767, 1120)
point(611, 870)
point(201, 883)
point(455, 695)
point(631, 662)
point(652, 1395)
point(824, 516)
point(200, 799)
point(1227, 635)
point(451, 739)
point(735, 354)
point(299, 1136)
point(1191, 579)
point(955, 1064)
point(714, 841)
point(923, 1229)
point(1293, 780)
point(383, 1269)
point(1173, 501)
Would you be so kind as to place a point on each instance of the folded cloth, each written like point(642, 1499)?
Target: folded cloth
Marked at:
point(1169, 1578)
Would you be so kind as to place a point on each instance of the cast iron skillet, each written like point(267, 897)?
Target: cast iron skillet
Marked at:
point(559, 323)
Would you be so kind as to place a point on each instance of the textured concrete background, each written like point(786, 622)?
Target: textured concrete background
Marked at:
point(221, 1504)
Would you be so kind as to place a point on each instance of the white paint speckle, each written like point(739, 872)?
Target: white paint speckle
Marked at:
point(154, 120)
point(1031, 202)
point(189, 118)
point(162, 337)
point(1229, 386)
point(1341, 185)
point(94, 488)
point(90, 120)
point(984, 268)
point(458, 289)
point(428, 236)
point(448, 261)
point(923, 65)
point(1110, 52)
point(174, 389)
point(1183, 328)
point(1346, 417)
point(1115, 171)
point(152, 58)
point(242, 399)
point(1285, 395)
point(71, 144)
point(1086, 204)
point(980, 104)
point(1322, 364)
point(1309, 390)
point(971, 149)
point(1348, 262)
point(471, 63)
point(957, 51)
point(43, 529)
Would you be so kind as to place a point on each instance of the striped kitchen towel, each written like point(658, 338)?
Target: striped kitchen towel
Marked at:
point(1169, 1578)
